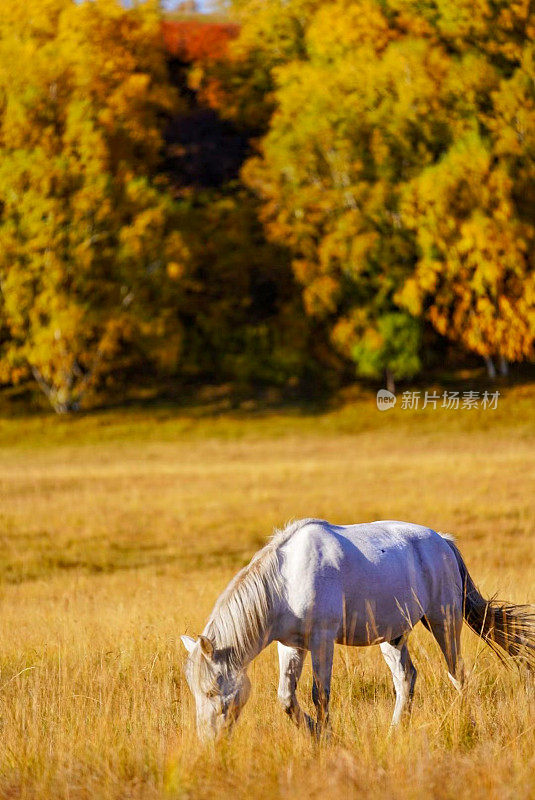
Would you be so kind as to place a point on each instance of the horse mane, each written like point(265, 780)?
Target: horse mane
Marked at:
point(240, 617)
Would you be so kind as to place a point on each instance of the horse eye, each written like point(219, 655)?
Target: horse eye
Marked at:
point(213, 693)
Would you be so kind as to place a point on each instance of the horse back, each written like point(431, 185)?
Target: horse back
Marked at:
point(370, 582)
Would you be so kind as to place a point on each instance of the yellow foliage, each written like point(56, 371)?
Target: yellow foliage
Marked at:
point(476, 268)
point(400, 162)
point(82, 88)
point(340, 28)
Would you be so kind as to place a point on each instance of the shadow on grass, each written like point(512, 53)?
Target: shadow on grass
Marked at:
point(164, 400)
point(205, 400)
point(115, 558)
point(172, 412)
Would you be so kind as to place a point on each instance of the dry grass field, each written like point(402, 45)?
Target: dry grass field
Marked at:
point(119, 529)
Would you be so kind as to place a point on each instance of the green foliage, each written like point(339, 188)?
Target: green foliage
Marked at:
point(391, 346)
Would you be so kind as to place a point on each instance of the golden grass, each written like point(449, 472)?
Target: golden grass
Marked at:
point(119, 529)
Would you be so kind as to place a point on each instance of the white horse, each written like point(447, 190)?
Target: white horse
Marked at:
point(315, 584)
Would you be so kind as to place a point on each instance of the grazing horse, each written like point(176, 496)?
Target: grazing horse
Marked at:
point(315, 584)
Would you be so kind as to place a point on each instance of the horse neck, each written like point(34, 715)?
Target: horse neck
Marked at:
point(241, 635)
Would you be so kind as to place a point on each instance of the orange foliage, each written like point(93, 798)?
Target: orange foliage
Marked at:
point(206, 46)
point(191, 40)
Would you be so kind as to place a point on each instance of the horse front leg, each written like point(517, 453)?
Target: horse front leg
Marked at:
point(291, 660)
point(322, 666)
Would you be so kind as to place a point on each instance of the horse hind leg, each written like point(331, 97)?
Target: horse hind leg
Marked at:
point(396, 655)
point(322, 652)
point(291, 660)
point(447, 632)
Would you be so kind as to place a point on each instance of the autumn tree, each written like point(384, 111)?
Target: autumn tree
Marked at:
point(473, 210)
point(238, 79)
point(242, 313)
point(475, 275)
point(398, 166)
point(89, 255)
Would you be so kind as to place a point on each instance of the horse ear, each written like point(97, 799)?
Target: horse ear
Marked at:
point(188, 643)
point(206, 646)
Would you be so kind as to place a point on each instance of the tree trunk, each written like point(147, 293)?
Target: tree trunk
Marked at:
point(62, 401)
point(504, 367)
point(67, 398)
point(390, 383)
point(491, 369)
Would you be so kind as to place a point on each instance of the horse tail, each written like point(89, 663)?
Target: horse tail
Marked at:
point(506, 627)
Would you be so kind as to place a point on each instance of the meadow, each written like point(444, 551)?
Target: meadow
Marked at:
point(119, 528)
